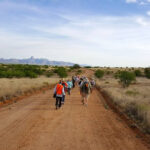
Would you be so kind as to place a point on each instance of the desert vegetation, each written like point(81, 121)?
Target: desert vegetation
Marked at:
point(126, 78)
point(76, 66)
point(78, 72)
point(147, 72)
point(16, 80)
point(133, 100)
point(15, 87)
point(61, 71)
point(138, 73)
point(34, 71)
point(20, 71)
point(99, 73)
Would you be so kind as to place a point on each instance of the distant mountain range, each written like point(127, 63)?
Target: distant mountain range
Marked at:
point(35, 61)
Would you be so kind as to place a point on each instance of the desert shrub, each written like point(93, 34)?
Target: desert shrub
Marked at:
point(55, 67)
point(126, 78)
point(7, 74)
point(18, 74)
point(131, 109)
point(87, 67)
point(79, 72)
point(109, 72)
point(61, 71)
point(147, 72)
point(138, 73)
point(46, 66)
point(18, 71)
point(132, 93)
point(49, 73)
point(71, 68)
point(30, 74)
point(132, 68)
point(117, 74)
point(106, 82)
point(99, 73)
point(76, 66)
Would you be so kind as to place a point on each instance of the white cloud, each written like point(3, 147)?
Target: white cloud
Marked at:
point(148, 13)
point(131, 1)
point(143, 21)
point(140, 2)
point(92, 40)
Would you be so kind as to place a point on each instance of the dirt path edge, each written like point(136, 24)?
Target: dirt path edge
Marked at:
point(132, 124)
point(25, 95)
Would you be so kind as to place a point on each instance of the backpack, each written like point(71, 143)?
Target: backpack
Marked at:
point(64, 85)
point(85, 88)
point(92, 83)
point(80, 82)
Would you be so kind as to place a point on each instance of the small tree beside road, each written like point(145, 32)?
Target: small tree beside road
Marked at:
point(99, 73)
point(126, 78)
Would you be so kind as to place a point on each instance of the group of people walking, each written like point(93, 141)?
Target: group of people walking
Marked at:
point(64, 87)
point(60, 92)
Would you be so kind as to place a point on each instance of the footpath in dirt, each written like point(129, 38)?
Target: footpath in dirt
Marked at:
point(34, 124)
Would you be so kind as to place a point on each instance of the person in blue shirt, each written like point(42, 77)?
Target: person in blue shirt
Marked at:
point(69, 86)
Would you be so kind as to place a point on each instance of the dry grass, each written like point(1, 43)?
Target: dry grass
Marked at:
point(134, 100)
point(115, 69)
point(15, 87)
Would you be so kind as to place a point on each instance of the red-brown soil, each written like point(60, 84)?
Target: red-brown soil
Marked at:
point(34, 124)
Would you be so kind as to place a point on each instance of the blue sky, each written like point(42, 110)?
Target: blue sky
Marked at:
point(94, 32)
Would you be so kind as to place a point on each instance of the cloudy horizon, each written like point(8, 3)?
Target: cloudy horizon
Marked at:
point(93, 32)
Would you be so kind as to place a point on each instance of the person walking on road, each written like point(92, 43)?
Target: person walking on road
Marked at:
point(73, 81)
point(92, 84)
point(80, 82)
point(58, 94)
point(65, 85)
point(77, 80)
point(69, 86)
point(85, 89)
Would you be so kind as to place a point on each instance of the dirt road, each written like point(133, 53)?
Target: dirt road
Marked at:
point(34, 124)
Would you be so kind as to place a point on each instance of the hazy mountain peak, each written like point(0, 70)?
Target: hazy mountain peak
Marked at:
point(36, 61)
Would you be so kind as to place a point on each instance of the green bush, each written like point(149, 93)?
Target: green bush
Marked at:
point(87, 67)
point(79, 72)
point(99, 73)
point(18, 71)
point(70, 69)
point(49, 74)
point(126, 78)
point(61, 71)
point(46, 66)
point(138, 73)
point(76, 66)
point(19, 74)
point(147, 72)
point(31, 74)
point(117, 74)
point(109, 72)
point(132, 68)
point(8, 74)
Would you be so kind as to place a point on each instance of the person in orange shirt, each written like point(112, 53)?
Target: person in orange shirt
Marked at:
point(59, 92)
point(65, 85)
